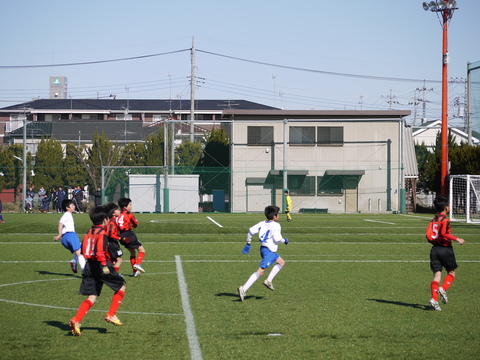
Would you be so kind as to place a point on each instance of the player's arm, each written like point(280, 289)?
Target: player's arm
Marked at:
point(59, 232)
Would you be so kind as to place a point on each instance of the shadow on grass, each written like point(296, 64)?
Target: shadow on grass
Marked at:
point(399, 303)
point(42, 272)
point(65, 327)
point(235, 295)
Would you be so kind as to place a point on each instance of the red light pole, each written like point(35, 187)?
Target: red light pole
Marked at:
point(446, 9)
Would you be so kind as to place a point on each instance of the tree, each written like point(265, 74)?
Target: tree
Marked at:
point(48, 164)
point(214, 163)
point(187, 157)
point(74, 174)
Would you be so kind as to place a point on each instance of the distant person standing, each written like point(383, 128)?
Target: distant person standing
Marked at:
point(60, 197)
point(288, 200)
point(41, 195)
point(98, 197)
point(1, 209)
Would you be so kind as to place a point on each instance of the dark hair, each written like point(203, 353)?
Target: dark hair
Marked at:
point(271, 211)
point(66, 203)
point(440, 203)
point(123, 203)
point(285, 192)
point(98, 214)
point(111, 207)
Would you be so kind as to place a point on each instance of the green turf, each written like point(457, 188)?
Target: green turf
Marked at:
point(354, 286)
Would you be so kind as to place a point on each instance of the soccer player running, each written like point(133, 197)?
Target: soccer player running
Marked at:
point(269, 234)
point(66, 232)
point(98, 271)
point(440, 236)
point(126, 221)
point(113, 236)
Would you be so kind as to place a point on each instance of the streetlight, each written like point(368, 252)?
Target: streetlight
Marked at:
point(445, 8)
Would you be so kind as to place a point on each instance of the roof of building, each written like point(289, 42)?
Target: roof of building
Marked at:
point(133, 105)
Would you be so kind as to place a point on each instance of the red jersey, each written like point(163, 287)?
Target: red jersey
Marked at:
point(439, 232)
point(94, 245)
point(112, 229)
point(126, 221)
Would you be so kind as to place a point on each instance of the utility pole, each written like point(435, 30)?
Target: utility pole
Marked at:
point(192, 92)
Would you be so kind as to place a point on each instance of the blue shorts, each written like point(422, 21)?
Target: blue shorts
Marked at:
point(268, 257)
point(71, 241)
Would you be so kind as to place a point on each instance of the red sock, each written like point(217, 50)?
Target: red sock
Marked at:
point(140, 257)
point(117, 268)
point(132, 261)
point(83, 309)
point(434, 288)
point(116, 302)
point(448, 281)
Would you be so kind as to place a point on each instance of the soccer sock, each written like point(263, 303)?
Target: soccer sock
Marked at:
point(117, 268)
point(83, 309)
point(434, 288)
point(132, 261)
point(82, 262)
point(274, 272)
point(254, 277)
point(116, 302)
point(140, 257)
point(448, 281)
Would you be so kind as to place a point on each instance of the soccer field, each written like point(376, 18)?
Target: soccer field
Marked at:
point(353, 287)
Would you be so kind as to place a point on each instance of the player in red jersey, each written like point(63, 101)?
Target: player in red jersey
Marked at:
point(113, 236)
point(126, 221)
point(442, 256)
point(98, 271)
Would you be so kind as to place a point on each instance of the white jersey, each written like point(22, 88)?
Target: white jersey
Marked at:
point(67, 221)
point(269, 234)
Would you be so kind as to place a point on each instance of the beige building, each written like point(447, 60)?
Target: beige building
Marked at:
point(330, 161)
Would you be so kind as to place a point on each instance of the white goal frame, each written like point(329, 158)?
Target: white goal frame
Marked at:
point(465, 198)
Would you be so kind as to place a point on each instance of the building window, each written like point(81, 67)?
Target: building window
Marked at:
point(330, 135)
point(305, 187)
point(330, 185)
point(259, 135)
point(124, 117)
point(302, 135)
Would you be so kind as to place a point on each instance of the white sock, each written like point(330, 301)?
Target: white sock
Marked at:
point(274, 272)
point(82, 262)
point(254, 277)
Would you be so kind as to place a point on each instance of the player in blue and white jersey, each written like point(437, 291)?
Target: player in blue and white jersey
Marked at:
point(270, 235)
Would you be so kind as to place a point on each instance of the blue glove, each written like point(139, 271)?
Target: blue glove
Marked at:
point(246, 249)
point(286, 241)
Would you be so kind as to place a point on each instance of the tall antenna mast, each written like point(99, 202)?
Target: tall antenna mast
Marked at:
point(192, 92)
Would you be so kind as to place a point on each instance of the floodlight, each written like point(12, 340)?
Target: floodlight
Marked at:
point(442, 5)
point(425, 6)
point(452, 4)
point(432, 6)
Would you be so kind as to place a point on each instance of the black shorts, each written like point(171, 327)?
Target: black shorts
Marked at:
point(94, 278)
point(442, 257)
point(114, 249)
point(132, 242)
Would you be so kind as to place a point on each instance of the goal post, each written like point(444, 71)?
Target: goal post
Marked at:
point(465, 198)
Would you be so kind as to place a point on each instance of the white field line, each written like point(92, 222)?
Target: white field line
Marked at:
point(381, 222)
point(216, 223)
point(195, 351)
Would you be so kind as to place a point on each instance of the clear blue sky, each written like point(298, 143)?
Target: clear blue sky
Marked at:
point(373, 38)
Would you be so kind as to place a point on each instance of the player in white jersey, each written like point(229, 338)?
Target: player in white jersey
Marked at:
point(269, 234)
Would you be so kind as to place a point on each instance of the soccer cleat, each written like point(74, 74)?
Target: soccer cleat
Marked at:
point(137, 267)
point(75, 326)
point(136, 273)
point(443, 295)
point(241, 293)
point(73, 265)
point(269, 285)
point(434, 305)
point(114, 320)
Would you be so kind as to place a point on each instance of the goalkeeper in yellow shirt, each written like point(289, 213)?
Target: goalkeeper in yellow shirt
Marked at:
point(288, 200)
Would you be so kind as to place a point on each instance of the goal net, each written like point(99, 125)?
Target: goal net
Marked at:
point(465, 198)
